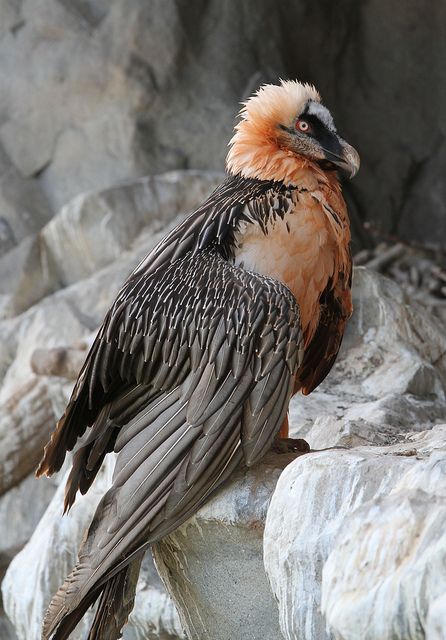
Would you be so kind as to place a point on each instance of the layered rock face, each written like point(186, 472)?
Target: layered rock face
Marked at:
point(93, 92)
point(349, 544)
point(354, 542)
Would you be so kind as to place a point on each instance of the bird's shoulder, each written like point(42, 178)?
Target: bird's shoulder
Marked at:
point(214, 223)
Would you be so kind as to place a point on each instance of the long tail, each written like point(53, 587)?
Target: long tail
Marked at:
point(116, 599)
point(116, 603)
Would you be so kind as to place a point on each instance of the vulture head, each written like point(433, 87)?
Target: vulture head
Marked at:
point(284, 128)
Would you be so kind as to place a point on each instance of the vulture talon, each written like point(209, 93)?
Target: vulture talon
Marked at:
point(291, 445)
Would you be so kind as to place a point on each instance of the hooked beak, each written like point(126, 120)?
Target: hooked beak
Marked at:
point(347, 160)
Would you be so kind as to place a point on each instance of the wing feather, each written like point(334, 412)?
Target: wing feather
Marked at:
point(189, 376)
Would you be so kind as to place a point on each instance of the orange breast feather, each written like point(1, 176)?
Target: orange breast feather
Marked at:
point(305, 250)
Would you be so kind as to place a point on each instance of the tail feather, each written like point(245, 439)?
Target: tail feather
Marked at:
point(66, 607)
point(116, 603)
point(117, 596)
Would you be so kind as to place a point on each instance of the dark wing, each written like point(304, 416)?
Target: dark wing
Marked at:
point(105, 372)
point(208, 360)
point(320, 355)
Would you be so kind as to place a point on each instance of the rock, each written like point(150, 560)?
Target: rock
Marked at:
point(64, 362)
point(27, 276)
point(390, 376)
point(24, 208)
point(397, 346)
point(436, 619)
point(221, 548)
point(108, 104)
point(37, 571)
point(387, 389)
point(392, 558)
point(117, 216)
point(213, 567)
point(154, 616)
point(364, 541)
point(6, 629)
point(9, 17)
point(67, 249)
point(26, 422)
point(54, 322)
point(31, 405)
point(21, 509)
point(71, 314)
point(23, 603)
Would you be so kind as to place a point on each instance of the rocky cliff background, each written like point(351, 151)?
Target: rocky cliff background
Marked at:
point(114, 120)
point(97, 91)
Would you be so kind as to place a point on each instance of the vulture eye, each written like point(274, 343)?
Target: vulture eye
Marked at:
point(302, 125)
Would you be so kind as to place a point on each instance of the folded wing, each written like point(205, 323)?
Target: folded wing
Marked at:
point(194, 370)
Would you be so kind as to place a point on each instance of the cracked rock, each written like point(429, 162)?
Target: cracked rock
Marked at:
point(361, 555)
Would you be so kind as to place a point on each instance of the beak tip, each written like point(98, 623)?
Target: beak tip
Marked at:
point(352, 159)
point(347, 161)
point(353, 171)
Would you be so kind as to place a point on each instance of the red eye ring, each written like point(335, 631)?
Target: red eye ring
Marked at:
point(302, 125)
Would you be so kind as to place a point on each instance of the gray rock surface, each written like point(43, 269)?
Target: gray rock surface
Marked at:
point(21, 508)
point(387, 385)
point(94, 92)
point(387, 566)
point(6, 629)
point(24, 209)
point(436, 619)
point(95, 228)
point(64, 362)
point(20, 511)
point(26, 422)
point(362, 553)
point(27, 276)
point(104, 83)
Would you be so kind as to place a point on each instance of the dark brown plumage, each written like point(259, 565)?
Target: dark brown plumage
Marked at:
point(192, 370)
